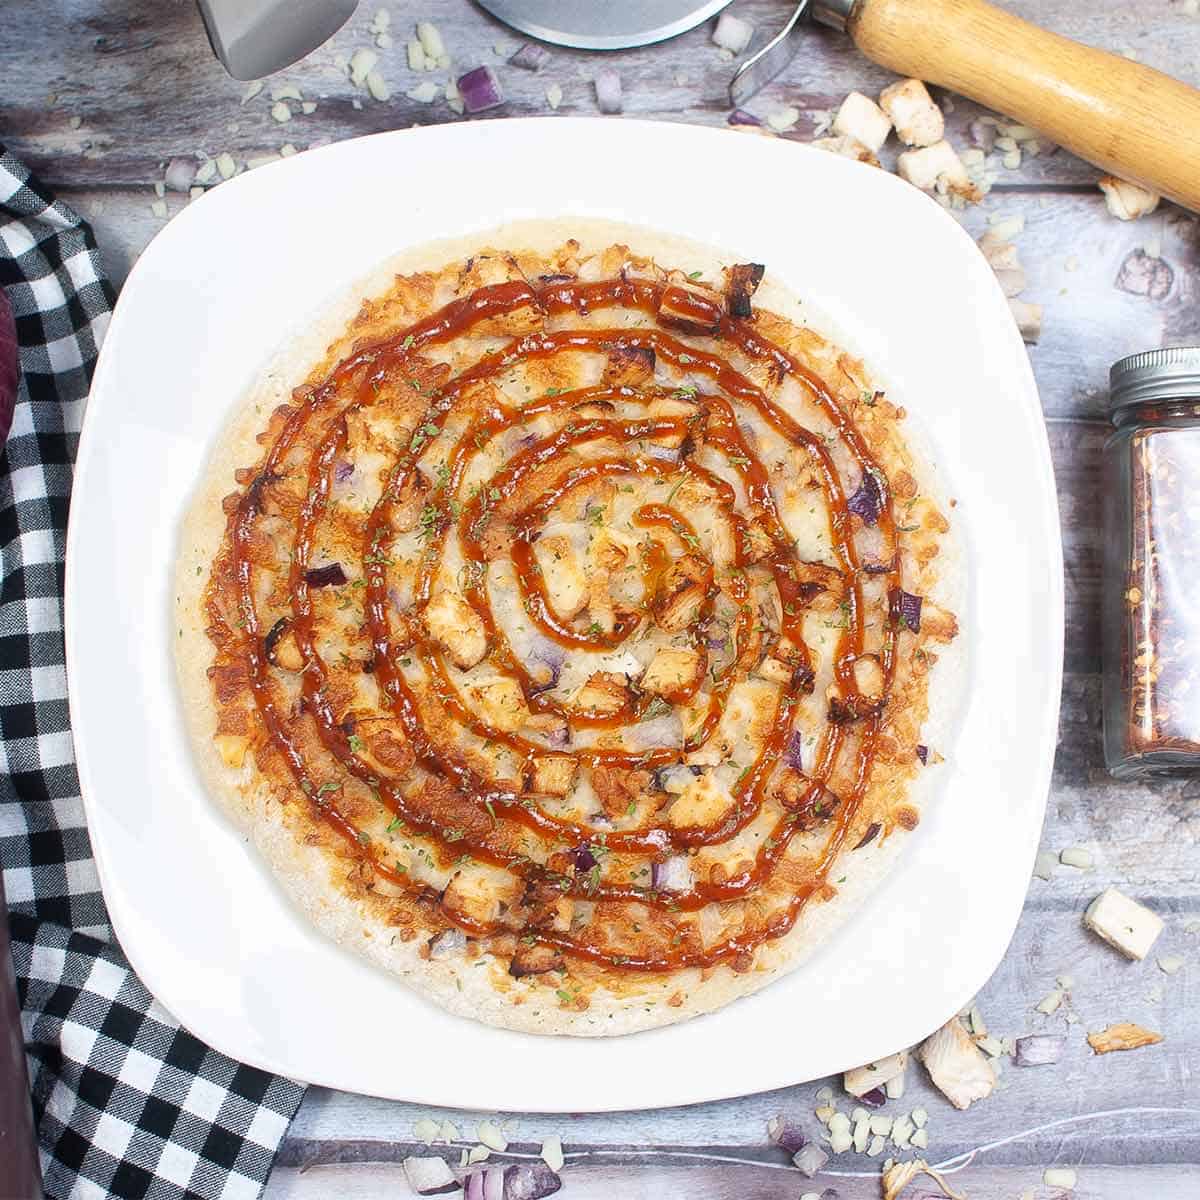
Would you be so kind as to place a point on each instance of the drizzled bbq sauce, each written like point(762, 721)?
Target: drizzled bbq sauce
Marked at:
point(1152, 565)
point(680, 313)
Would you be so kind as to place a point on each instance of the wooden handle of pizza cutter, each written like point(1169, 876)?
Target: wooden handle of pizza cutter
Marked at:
point(1131, 120)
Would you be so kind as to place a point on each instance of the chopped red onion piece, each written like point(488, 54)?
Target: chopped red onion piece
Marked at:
point(740, 116)
point(608, 90)
point(559, 738)
point(530, 1181)
point(787, 1133)
point(429, 1176)
point(473, 1186)
point(530, 57)
point(868, 837)
point(493, 1183)
point(923, 755)
point(875, 1098)
point(868, 500)
point(663, 453)
point(1038, 1050)
point(673, 875)
point(732, 33)
point(585, 860)
point(10, 370)
point(447, 943)
point(904, 609)
point(795, 746)
point(330, 575)
point(343, 471)
point(480, 90)
point(810, 1159)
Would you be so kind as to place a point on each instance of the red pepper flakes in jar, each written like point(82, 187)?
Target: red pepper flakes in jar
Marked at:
point(1151, 594)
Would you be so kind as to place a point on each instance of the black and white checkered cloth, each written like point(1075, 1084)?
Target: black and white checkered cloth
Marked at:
point(128, 1104)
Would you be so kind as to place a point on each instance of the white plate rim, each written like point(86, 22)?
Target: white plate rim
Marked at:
point(1040, 757)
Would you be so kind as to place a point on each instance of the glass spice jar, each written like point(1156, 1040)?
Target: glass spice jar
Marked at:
point(1151, 582)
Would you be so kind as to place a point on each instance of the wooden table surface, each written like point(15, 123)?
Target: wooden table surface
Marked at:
point(97, 95)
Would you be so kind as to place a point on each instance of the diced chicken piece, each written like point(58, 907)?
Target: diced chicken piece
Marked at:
point(604, 694)
point(1028, 318)
point(847, 147)
point(958, 1068)
point(631, 366)
point(562, 575)
point(672, 673)
point(1123, 923)
point(552, 774)
point(232, 749)
point(1122, 1036)
point(534, 959)
point(501, 703)
point(1127, 201)
point(865, 1079)
point(476, 892)
point(860, 117)
point(741, 282)
point(938, 168)
point(456, 627)
point(684, 586)
point(702, 802)
point(776, 670)
point(917, 119)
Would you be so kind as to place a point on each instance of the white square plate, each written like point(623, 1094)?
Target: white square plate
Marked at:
point(221, 287)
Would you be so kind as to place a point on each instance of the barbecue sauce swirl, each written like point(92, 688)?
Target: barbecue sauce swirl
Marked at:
point(669, 533)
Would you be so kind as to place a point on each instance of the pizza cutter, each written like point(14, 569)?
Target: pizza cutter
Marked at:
point(593, 25)
point(1129, 119)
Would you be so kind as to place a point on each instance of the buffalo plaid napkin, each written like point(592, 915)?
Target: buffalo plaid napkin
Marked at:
point(128, 1104)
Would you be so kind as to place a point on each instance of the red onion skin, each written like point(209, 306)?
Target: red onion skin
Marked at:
point(904, 609)
point(10, 369)
point(331, 575)
point(867, 502)
point(530, 57)
point(875, 1098)
point(740, 116)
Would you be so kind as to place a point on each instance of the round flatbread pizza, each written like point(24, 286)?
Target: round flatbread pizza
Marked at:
point(570, 622)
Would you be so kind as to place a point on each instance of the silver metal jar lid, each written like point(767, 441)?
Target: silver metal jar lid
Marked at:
point(1169, 374)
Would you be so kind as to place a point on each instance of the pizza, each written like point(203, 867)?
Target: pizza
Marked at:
point(570, 623)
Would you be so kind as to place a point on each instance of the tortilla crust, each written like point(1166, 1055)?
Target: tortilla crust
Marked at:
point(324, 880)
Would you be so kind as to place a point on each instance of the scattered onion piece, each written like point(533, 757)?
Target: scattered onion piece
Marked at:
point(530, 57)
point(429, 1176)
point(904, 610)
point(787, 1133)
point(608, 91)
point(810, 1159)
point(740, 116)
point(480, 90)
point(1037, 1050)
point(530, 1181)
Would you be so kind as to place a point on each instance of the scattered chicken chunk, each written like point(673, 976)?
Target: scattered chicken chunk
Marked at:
point(456, 626)
point(938, 168)
point(917, 119)
point(604, 694)
point(1122, 1036)
point(1123, 923)
point(1127, 201)
point(1028, 318)
point(865, 1079)
point(848, 147)
point(502, 703)
point(672, 673)
point(861, 118)
point(552, 774)
point(958, 1068)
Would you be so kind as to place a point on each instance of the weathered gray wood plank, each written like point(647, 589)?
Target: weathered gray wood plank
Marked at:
point(143, 85)
point(746, 1183)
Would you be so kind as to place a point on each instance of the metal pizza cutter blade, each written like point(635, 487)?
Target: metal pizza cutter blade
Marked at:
point(595, 25)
